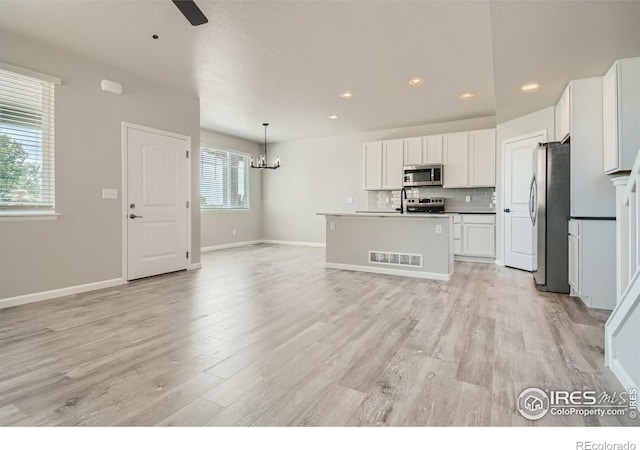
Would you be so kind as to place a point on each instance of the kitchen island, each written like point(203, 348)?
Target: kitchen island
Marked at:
point(411, 245)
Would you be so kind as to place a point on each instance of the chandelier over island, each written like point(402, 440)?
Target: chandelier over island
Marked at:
point(262, 162)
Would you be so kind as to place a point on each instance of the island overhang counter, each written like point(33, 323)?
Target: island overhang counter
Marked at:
point(411, 245)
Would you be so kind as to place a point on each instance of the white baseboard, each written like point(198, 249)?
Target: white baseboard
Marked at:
point(629, 301)
point(194, 266)
point(260, 241)
point(389, 271)
point(304, 244)
point(55, 293)
point(475, 259)
point(231, 245)
point(623, 376)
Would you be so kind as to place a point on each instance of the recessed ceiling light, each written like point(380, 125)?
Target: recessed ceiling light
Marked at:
point(530, 87)
point(333, 117)
point(346, 94)
point(466, 96)
point(416, 81)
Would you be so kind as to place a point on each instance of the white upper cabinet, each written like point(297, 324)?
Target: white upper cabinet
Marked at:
point(621, 114)
point(592, 193)
point(456, 160)
point(432, 149)
point(482, 158)
point(373, 166)
point(423, 150)
point(470, 159)
point(392, 162)
point(383, 162)
point(413, 151)
point(563, 114)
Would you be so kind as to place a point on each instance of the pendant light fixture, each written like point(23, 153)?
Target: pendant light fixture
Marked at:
point(262, 162)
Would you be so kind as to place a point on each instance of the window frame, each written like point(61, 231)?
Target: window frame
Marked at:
point(37, 211)
point(227, 210)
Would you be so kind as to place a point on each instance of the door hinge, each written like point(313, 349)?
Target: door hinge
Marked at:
point(187, 153)
point(187, 254)
point(187, 203)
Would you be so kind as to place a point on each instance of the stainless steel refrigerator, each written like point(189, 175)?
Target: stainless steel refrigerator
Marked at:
point(549, 209)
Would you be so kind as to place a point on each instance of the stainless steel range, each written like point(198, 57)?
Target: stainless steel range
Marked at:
point(433, 205)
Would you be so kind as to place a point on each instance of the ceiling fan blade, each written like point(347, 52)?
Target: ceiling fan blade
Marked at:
point(191, 11)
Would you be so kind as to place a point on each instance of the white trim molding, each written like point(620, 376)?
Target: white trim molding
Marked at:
point(627, 278)
point(259, 241)
point(304, 244)
point(387, 271)
point(30, 73)
point(62, 292)
point(230, 245)
point(475, 259)
point(194, 266)
point(26, 216)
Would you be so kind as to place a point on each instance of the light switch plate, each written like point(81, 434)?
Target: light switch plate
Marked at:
point(468, 198)
point(110, 194)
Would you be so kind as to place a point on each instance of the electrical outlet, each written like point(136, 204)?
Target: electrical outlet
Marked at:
point(386, 199)
point(111, 194)
point(348, 199)
point(332, 226)
point(468, 198)
point(234, 232)
point(438, 229)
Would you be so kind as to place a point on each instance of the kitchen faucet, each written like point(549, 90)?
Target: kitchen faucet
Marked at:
point(403, 193)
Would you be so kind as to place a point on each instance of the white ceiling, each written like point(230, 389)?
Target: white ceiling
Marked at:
point(287, 62)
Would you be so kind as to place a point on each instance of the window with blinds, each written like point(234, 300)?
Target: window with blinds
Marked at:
point(26, 142)
point(224, 179)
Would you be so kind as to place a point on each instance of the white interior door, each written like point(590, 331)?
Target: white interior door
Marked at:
point(519, 246)
point(156, 203)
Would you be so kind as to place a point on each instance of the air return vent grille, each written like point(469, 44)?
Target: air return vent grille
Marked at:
point(395, 259)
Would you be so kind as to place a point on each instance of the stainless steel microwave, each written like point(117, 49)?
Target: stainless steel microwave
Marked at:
point(424, 175)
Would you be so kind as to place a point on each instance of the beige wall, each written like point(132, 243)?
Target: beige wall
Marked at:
point(318, 174)
point(84, 244)
point(531, 123)
point(217, 227)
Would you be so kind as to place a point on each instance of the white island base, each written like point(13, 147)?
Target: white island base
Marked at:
point(409, 245)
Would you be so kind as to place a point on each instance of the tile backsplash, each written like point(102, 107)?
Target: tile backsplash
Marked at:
point(480, 199)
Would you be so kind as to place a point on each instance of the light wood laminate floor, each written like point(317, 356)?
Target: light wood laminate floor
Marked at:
point(264, 335)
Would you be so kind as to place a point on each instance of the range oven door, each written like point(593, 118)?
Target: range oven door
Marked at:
point(428, 175)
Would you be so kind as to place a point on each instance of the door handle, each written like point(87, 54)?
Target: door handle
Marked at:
point(507, 210)
point(133, 216)
point(533, 199)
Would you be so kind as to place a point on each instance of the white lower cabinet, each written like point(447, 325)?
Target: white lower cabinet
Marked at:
point(574, 261)
point(474, 235)
point(592, 262)
point(621, 91)
point(478, 239)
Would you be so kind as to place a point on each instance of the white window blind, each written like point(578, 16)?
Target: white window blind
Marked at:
point(223, 179)
point(26, 142)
